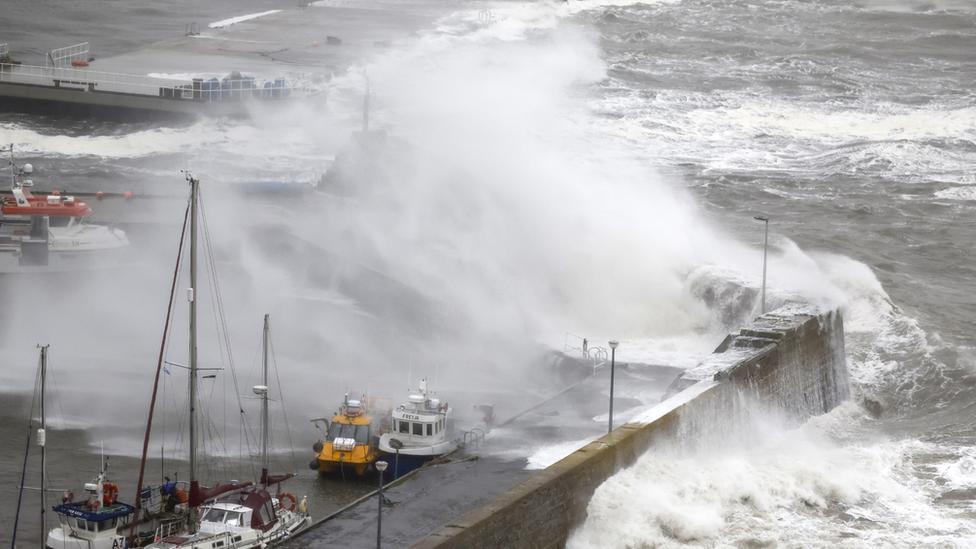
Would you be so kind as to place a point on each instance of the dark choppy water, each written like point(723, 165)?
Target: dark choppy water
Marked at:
point(612, 153)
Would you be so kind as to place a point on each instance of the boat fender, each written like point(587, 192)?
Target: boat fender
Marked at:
point(291, 499)
point(314, 464)
point(317, 447)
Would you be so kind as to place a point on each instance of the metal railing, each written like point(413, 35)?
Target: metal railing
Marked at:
point(63, 57)
point(296, 84)
point(4, 49)
point(476, 435)
point(597, 356)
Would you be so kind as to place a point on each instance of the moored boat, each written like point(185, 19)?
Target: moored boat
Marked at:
point(350, 443)
point(422, 430)
point(49, 233)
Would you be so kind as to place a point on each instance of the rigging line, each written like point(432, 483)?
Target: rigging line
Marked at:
point(159, 368)
point(218, 299)
point(281, 397)
point(57, 397)
point(23, 473)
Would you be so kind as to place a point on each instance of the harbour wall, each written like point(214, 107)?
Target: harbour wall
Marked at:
point(783, 368)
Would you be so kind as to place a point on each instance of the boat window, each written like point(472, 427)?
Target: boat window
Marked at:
point(405, 427)
point(437, 427)
point(214, 515)
point(265, 514)
point(429, 429)
point(333, 431)
point(92, 526)
point(219, 544)
point(362, 434)
point(233, 519)
point(237, 539)
point(106, 524)
point(58, 221)
point(418, 428)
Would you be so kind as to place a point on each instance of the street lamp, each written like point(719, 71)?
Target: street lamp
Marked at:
point(613, 356)
point(765, 246)
point(380, 466)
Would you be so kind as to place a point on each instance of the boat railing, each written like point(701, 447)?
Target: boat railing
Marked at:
point(197, 89)
point(168, 529)
point(476, 435)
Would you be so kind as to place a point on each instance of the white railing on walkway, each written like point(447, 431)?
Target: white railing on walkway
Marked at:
point(213, 89)
point(62, 57)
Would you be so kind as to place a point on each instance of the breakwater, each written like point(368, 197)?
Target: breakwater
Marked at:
point(783, 368)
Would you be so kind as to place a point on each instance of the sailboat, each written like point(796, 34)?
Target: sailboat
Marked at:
point(97, 520)
point(92, 522)
point(237, 515)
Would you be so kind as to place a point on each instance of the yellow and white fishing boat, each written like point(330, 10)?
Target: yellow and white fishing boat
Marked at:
point(351, 439)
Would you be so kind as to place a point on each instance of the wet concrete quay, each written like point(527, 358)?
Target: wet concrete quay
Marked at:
point(434, 496)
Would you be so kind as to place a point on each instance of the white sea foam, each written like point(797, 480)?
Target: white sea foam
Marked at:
point(957, 193)
point(234, 20)
point(780, 493)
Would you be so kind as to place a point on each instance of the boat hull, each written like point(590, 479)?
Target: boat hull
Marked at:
point(55, 260)
point(408, 458)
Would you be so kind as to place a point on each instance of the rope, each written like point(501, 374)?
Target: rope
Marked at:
point(23, 472)
point(281, 398)
point(222, 319)
point(159, 368)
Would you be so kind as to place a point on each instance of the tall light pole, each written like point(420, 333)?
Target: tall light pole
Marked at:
point(613, 356)
point(765, 220)
point(380, 467)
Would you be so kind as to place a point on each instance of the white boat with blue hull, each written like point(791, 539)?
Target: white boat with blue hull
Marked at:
point(422, 430)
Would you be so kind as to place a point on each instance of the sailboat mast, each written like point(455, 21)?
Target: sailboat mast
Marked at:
point(366, 109)
point(42, 442)
point(264, 402)
point(191, 295)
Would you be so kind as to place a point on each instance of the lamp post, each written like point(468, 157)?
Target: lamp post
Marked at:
point(765, 220)
point(613, 356)
point(380, 467)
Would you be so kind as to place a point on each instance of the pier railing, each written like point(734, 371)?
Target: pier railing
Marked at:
point(198, 89)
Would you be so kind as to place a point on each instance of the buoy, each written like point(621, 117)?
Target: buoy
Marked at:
point(315, 42)
point(128, 194)
point(98, 195)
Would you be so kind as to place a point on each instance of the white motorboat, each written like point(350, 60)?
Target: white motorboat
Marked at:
point(422, 430)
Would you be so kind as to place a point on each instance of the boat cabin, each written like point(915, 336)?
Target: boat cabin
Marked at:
point(238, 512)
point(422, 421)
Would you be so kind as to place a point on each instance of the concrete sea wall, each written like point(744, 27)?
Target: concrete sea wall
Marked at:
point(785, 367)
